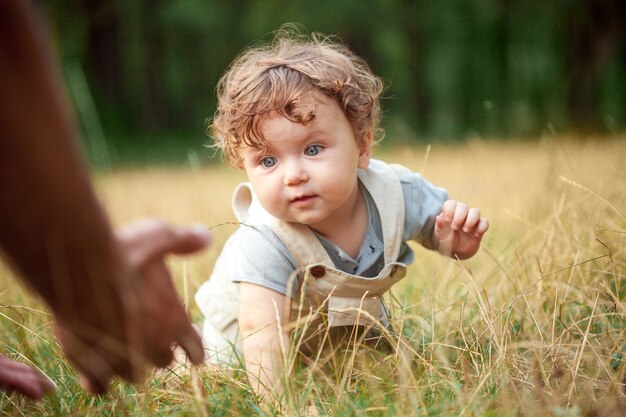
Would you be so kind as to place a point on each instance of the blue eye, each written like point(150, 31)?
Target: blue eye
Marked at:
point(312, 150)
point(268, 161)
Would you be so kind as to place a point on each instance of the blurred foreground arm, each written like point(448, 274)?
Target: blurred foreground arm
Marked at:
point(113, 299)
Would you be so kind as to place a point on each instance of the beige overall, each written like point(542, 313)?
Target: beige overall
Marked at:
point(326, 297)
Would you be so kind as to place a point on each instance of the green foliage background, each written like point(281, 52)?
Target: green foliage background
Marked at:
point(454, 68)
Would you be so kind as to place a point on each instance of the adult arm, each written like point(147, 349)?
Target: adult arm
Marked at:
point(52, 227)
point(54, 231)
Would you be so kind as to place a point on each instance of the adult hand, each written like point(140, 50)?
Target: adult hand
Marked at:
point(153, 317)
point(21, 378)
point(459, 230)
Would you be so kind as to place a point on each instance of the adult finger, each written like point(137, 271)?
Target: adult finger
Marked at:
point(46, 383)
point(93, 385)
point(188, 240)
point(175, 329)
point(146, 239)
point(158, 347)
point(162, 313)
point(191, 342)
point(21, 378)
point(97, 361)
point(97, 377)
point(161, 356)
point(94, 374)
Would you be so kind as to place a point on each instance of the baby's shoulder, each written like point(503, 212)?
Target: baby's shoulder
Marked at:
point(255, 236)
point(255, 255)
point(406, 176)
point(259, 245)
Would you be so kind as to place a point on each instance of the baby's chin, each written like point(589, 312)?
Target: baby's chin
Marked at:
point(306, 219)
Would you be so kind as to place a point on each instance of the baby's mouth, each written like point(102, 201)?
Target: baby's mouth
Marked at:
point(302, 199)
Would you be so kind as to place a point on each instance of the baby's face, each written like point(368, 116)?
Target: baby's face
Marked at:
point(308, 174)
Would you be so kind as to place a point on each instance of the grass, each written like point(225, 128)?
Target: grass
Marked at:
point(533, 325)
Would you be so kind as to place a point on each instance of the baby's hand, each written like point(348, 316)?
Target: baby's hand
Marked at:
point(458, 230)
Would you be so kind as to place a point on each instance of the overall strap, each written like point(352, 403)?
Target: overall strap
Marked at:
point(382, 182)
point(301, 242)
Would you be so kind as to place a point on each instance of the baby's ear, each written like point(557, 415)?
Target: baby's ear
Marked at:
point(365, 148)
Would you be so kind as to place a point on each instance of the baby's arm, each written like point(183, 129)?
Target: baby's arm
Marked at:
point(262, 319)
point(458, 230)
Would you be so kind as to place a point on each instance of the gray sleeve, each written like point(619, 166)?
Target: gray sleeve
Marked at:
point(261, 259)
point(422, 203)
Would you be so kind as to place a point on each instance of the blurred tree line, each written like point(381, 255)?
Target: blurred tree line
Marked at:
point(454, 68)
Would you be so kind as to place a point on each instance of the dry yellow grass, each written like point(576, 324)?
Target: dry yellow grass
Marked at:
point(532, 325)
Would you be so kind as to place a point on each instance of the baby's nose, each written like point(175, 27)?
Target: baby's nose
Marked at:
point(295, 174)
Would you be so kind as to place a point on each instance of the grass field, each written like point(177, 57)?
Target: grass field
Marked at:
point(533, 325)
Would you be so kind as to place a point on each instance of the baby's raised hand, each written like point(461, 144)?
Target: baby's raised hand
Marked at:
point(458, 230)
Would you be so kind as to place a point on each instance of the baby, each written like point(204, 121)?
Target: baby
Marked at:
point(323, 225)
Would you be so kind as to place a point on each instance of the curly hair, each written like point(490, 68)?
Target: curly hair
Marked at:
point(273, 77)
